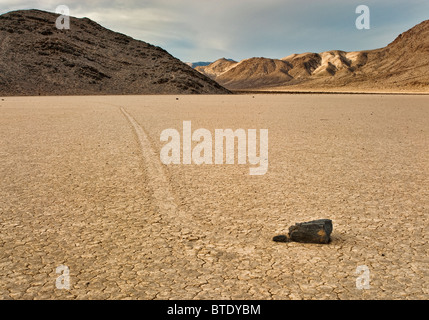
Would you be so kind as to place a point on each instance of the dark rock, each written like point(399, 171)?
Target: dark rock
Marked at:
point(281, 238)
point(317, 231)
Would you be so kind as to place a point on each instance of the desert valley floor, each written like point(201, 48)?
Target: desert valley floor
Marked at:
point(82, 186)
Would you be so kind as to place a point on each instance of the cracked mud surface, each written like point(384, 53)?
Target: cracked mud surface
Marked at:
point(82, 186)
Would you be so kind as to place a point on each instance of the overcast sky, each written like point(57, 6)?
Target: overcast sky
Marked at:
point(203, 30)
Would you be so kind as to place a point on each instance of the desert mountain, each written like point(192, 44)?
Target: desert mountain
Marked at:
point(402, 65)
point(37, 58)
point(253, 72)
point(216, 68)
point(198, 64)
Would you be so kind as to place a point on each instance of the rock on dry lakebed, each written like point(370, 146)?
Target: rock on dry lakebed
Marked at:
point(316, 231)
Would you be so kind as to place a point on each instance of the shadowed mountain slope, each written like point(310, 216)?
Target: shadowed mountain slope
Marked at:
point(39, 59)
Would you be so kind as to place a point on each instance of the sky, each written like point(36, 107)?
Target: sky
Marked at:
point(202, 30)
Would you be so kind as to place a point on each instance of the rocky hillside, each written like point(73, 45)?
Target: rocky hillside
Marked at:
point(38, 59)
point(402, 65)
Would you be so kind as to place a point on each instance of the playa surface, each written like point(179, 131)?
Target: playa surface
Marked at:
point(82, 186)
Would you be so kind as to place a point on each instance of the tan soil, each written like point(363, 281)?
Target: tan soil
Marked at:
point(82, 186)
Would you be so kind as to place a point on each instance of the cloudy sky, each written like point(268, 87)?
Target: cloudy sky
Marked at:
point(202, 30)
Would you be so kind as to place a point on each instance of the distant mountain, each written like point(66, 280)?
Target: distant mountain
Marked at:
point(197, 64)
point(248, 73)
point(204, 64)
point(402, 65)
point(216, 68)
point(38, 59)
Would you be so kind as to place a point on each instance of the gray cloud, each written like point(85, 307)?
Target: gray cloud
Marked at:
point(195, 30)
